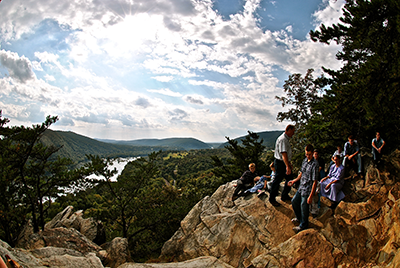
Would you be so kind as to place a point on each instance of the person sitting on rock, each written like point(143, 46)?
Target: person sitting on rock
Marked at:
point(377, 145)
point(271, 177)
point(259, 187)
point(339, 152)
point(246, 181)
point(308, 177)
point(352, 154)
point(332, 184)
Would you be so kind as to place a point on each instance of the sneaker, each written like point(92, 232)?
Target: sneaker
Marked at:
point(286, 198)
point(297, 229)
point(295, 221)
point(260, 192)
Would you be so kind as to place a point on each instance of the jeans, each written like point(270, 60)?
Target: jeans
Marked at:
point(301, 209)
point(356, 165)
point(377, 156)
point(280, 174)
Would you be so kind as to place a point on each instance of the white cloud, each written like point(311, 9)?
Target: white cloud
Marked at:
point(49, 78)
point(163, 78)
point(19, 68)
point(222, 72)
point(330, 14)
point(165, 91)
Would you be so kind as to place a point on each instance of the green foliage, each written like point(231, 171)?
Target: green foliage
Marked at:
point(154, 193)
point(361, 97)
point(302, 95)
point(250, 151)
point(29, 178)
point(268, 137)
point(364, 93)
point(76, 147)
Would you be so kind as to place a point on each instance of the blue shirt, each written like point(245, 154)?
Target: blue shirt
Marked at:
point(351, 149)
point(309, 174)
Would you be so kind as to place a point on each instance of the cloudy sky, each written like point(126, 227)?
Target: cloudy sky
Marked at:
point(132, 69)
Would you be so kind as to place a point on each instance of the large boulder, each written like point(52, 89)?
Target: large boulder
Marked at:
point(363, 231)
point(63, 238)
point(203, 262)
point(235, 233)
point(117, 252)
point(50, 257)
point(306, 249)
point(90, 228)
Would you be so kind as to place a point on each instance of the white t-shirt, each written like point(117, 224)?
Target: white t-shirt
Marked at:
point(283, 145)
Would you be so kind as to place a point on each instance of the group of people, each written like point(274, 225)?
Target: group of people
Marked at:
point(312, 175)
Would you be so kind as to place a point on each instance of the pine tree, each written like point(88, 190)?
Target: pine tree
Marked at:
point(363, 95)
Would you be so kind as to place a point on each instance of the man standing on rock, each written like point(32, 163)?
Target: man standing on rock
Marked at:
point(283, 166)
point(308, 177)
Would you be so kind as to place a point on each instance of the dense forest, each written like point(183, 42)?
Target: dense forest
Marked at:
point(155, 192)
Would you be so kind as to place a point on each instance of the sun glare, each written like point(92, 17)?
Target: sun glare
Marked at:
point(135, 33)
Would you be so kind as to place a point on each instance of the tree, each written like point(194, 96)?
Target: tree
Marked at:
point(30, 176)
point(363, 95)
point(125, 193)
point(302, 95)
point(242, 155)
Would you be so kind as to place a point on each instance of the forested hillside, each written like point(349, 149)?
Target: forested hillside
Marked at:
point(75, 146)
point(168, 144)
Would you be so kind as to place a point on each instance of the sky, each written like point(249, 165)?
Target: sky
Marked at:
point(138, 69)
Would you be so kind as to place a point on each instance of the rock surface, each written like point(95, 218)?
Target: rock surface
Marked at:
point(204, 262)
point(117, 252)
point(91, 229)
point(364, 230)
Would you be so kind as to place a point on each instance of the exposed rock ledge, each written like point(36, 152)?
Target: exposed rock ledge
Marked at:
point(364, 232)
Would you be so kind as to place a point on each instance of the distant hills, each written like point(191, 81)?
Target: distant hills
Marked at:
point(170, 143)
point(75, 146)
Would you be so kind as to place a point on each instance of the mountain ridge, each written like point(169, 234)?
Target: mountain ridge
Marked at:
point(173, 143)
point(76, 146)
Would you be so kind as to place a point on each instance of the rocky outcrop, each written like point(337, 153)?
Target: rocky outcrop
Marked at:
point(64, 243)
point(117, 252)
point(249, 232)
point(363, 231)
point(91, 229)
point(203, 262)
point(52, 257)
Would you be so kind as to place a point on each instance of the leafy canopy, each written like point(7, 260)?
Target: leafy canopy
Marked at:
point(362, 96)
